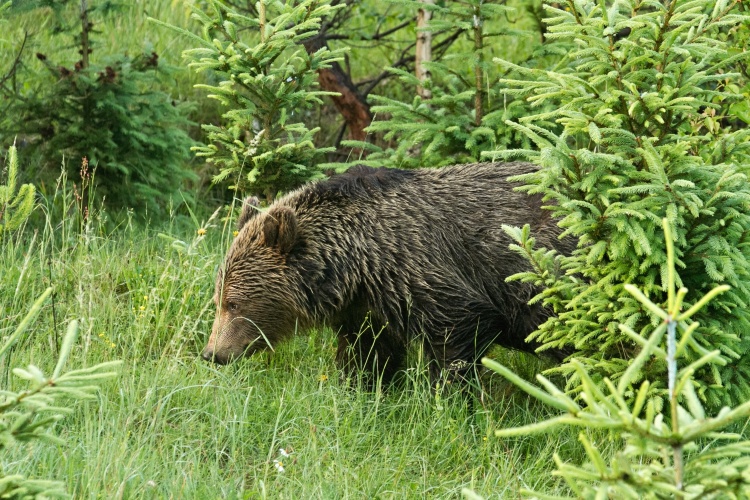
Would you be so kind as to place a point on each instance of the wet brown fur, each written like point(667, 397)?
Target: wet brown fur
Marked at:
point(384, 257)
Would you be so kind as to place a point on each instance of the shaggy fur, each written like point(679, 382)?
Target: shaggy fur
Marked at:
point(384, 257)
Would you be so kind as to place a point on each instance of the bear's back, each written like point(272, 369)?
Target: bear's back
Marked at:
point(449, 219)
point(472, 201)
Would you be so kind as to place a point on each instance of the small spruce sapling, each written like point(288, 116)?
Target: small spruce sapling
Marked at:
point(644, 97)
point(106, 110)
point(15, 205)
point(668, 446)
point(267, 80)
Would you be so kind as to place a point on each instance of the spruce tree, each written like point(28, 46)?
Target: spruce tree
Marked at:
point(644, 98)
point(267, 80)
point(675, 450)
point(104, 109)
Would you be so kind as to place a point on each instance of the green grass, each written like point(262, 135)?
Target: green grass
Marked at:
point(172, 426)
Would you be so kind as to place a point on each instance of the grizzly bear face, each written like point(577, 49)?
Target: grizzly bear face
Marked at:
point(255, 305)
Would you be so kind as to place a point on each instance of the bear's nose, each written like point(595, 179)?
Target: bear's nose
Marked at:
point(207, 354)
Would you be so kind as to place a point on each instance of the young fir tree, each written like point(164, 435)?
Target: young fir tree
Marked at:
point(643, 98)
point(673, 452)
point(465, 114)
point(266, 79)
point(134, 137)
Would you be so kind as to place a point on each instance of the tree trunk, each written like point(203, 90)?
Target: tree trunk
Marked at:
point(85, 34)
point(478, 63)
point(424, 48)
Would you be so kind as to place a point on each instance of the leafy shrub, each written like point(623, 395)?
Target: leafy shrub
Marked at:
point(643, 96)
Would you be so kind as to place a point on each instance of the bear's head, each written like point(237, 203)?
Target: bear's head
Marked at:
point(256, 297)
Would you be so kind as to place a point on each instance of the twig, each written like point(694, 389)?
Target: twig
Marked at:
point(12, 70)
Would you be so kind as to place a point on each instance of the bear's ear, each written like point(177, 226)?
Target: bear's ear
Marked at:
point(280, 228)
point(249, 208)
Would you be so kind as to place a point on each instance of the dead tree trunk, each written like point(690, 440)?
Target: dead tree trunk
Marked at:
point(85, 27)
point(350, 103)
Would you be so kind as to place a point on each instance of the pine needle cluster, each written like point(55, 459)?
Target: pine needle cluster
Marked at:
point(646, 97)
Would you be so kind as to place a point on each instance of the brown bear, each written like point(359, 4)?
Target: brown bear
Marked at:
point(385, 257)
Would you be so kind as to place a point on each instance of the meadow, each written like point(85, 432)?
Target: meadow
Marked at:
point(173, 426)
point(284, 424)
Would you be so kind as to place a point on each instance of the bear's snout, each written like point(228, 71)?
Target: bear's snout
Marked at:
point(208, 354)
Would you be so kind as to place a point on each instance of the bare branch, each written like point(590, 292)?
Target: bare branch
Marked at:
point(12, 70)
point(380, 36)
